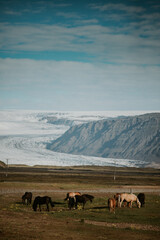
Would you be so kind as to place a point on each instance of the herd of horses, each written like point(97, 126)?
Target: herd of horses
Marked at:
point(75, 198)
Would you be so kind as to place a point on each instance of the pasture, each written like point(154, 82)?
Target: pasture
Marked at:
point(19, 221)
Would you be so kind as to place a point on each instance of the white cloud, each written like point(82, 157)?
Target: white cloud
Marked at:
point(104, 43)
point(77, 86)
point(83, 75)
point(118, 7)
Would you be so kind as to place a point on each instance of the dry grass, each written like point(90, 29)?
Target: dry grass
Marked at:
point(18, 221)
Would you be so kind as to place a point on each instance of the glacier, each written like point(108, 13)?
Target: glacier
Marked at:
point(24, 135)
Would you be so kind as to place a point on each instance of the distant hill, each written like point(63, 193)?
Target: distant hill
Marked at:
point(135, 137)
point(2, 165)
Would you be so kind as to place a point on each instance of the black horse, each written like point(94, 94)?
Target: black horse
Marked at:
point(42, 200)
point(71, 202)
point(83, 199)
point(141, 197)
point(27, 196)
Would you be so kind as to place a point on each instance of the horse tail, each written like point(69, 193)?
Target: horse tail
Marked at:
point(51, 202)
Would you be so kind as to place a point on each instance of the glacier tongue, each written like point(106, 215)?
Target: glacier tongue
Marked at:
point(25, 134)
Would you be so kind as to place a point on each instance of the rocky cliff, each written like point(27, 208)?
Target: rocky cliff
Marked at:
point(135, 137)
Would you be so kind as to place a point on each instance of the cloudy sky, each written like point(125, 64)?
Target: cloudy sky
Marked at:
point(80, 55)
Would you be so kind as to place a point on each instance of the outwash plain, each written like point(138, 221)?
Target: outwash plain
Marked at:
point(19, 221)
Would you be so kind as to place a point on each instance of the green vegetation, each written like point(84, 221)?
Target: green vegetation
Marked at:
point(19, 221)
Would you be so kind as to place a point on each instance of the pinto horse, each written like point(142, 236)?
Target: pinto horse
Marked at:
point(42, 200)
point(27, 196)
point(112, 204)
point(71, 195)
point(128, 197)
point(83, 199)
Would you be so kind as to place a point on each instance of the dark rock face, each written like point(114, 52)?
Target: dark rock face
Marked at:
point(135, 137)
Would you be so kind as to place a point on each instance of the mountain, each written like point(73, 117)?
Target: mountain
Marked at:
point(135, 137)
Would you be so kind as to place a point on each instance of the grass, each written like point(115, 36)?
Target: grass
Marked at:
point(18, 221)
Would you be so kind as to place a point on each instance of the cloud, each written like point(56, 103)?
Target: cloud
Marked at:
point(69, 73)
point(100, 42)
point(117, 7)
point(72, 85)
point(10, 12)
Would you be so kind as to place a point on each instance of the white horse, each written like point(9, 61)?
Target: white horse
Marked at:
point(129, 197)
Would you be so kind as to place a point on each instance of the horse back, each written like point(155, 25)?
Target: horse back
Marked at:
point(128, 197)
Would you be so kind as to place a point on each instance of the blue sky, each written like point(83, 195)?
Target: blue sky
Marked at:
point(80, 55)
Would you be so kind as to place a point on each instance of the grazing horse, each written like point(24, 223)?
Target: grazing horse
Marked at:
point(141, 197)
point(71, 202)
point(125, 203)
point(83, 199)
point(27, 196)
point(129, 197)
point(42, 200)
point(112, 204)
point(71, 195)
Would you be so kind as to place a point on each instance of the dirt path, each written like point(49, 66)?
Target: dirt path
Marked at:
point(129, 189)
point(125, 225)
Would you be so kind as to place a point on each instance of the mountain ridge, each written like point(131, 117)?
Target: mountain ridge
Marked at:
point(135, 137)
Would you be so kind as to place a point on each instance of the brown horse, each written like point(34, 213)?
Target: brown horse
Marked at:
point(71, 195)
point(112, 204)
point(27, 196)
point(83, 199)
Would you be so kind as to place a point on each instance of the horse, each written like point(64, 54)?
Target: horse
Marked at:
point(129, 197)
point(71, 202)
point(71, 195)
point(27, 196)
point(141, 197)
point(112, 204)
point(125, 203)
point(83, 199)
point(42, 200)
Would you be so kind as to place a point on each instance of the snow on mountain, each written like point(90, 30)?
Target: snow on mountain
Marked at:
point(24, 136)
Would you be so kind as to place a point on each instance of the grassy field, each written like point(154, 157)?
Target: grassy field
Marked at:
point(19, 221)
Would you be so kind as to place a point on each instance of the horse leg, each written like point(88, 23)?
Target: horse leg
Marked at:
point(119, 201)
point(120, 204)
point(47, 207)
point(40, 207)
point(131, 204)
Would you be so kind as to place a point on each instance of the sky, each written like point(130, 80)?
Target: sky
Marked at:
point(86, 55)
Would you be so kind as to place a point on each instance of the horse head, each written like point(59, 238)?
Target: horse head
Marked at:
point(138, 203)
point(52, 204)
